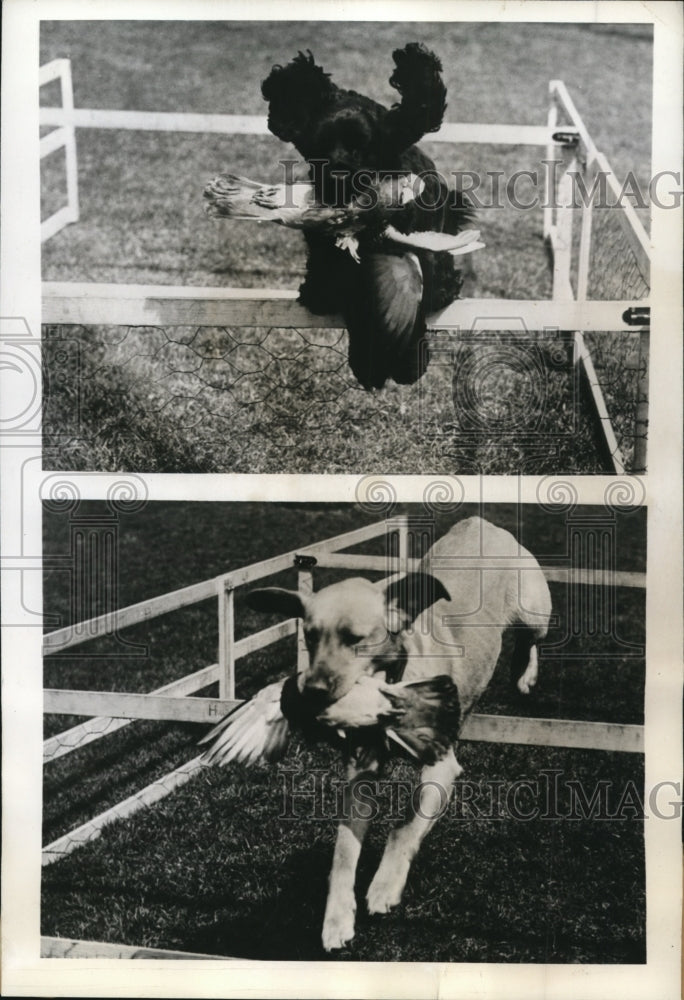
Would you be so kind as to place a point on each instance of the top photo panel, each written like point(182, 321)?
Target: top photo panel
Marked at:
point(336, 247)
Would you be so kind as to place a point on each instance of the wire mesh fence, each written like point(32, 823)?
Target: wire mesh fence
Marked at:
point(615, 271)
point(203, 399)
point(146, 796)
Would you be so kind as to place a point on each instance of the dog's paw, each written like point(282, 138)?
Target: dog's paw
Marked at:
point(338, 927)
point(526, 683)
point(528, 678)
point(386, 889)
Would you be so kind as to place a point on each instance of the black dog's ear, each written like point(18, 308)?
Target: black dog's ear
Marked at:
point(275, 599)
point(296, 93)
point(418, 79)
point(415, 592)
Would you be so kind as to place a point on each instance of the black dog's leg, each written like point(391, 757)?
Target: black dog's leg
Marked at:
point(328, 274)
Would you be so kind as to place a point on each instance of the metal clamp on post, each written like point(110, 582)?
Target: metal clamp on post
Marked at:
point(305, 562)
point(637, 316)
point(566, 137)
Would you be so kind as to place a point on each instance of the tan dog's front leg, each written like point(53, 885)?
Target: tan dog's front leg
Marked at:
point(436, 788)
point(340, 910)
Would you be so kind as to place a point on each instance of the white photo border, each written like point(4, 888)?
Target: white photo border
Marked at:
point(24, 972)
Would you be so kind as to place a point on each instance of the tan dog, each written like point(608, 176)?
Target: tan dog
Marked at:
point(447, 619)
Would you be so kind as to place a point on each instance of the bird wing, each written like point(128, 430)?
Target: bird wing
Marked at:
point(288, 197)
point(383, 315)
point(397, 289)
point(256, 729)
point(235, 197)
point(464, 242)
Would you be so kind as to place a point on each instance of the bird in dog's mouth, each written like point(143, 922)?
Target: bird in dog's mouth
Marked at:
point(420, 718)
point(371, 208)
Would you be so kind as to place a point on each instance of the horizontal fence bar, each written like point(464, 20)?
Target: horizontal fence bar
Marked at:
point(120, 705)
point(164, 121)
point(167, 305)
point(594, 577)
point(484, 133)
point(259, 640)
point(555, 733)
point(156, 121)
point(563, 733)
point(267, 567)
point(56, 947)
point(94, 729)
point(347, 560)
point(72, 635)
point(493, 314)
point(122, 810)
point(490, 728)
point(159, 305)
point(556, 574)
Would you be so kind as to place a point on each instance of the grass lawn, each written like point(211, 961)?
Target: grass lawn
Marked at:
point(246, 400)
point(215, 867)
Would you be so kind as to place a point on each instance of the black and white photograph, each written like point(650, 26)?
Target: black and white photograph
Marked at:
point(314, 686)
point(341, 534)
point(392, 247)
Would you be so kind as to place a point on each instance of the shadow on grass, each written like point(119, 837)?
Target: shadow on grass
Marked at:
point(283, 927)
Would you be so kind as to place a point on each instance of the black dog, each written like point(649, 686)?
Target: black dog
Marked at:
point(385, 299)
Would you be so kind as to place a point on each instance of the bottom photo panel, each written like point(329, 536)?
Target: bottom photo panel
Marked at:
point(368, 731)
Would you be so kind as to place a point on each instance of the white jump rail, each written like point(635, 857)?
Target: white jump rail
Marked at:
point(168, 305)
point(160, 121)
point(173, 702)
point(57, 947)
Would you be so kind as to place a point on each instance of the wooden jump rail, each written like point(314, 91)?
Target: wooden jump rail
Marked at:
point(141, 305)
point(56, 947)
point(89, 303)
point(175, 702)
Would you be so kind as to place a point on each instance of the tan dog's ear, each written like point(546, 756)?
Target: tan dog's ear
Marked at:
point(414, 592)
point(276, 599)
